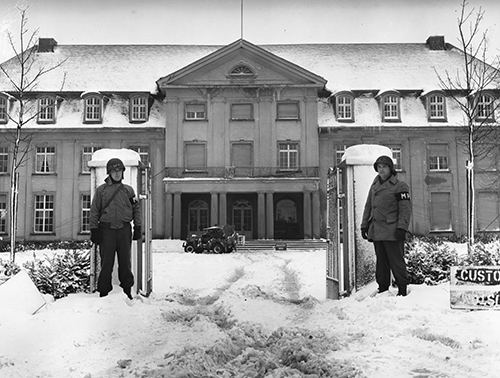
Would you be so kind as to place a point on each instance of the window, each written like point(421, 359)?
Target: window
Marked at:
point(241, 112)
point(87, 152)
point(345, 108)
point(288, 110)
point(3, 213)
point(45, 160)
point(339, 152)
point(440, 212)
point(195, 156)
point(197, 216)
point(288, 156)
point(241, 70)
point(85, 215)
point(396, 157)
point(143, 152)
point(44, 214)
point(4, 117)
point(390, 108)
point(46, 110)
point(436, 107)
point(138, 108)
point(488, 214)
point(195, 111)
point(4, 159)
point(485, 107)
point(438, 157)
point(242, 158)
point(93, 109)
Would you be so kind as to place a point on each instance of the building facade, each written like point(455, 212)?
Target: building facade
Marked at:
point(242, 134)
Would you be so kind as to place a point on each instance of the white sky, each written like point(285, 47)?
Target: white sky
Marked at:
point(265, 21)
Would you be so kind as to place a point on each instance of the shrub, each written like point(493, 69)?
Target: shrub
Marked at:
point(429, 261)
point(8, 268)
point(484, 254)
point(28, 245)
point(61, 274)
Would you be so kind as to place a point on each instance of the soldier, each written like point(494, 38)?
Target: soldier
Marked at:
point(113, 207)
point(386, 218)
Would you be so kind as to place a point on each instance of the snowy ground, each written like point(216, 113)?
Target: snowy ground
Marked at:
point(214, 315)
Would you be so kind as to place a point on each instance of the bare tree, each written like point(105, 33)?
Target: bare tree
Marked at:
point(23, 74)
point(473, 89)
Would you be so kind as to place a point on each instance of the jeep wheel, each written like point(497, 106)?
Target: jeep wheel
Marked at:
point(189, 248)
point(218, 248)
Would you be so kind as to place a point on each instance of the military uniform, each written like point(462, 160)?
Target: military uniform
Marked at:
point(112, 225)
point(386, 218)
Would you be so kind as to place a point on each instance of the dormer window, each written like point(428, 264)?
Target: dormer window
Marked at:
point(138, 108)
point(93, 109)
point(484, 107)
point(46, 110)
point(344, 107)
point(242, 70)
point(436, 107)
point(4, 117)
point(391, 107)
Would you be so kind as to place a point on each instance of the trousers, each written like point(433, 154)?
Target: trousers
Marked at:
point(390, 257)
point(115, 241)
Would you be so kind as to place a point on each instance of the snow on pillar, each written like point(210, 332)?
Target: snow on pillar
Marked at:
point(357, 162)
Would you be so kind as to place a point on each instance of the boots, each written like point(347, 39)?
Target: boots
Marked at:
point(127, 291)
point(402, 292)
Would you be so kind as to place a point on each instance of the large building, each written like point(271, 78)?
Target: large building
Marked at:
point(241, 134)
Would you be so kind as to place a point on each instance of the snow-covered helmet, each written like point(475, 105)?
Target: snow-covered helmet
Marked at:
point(113, 164)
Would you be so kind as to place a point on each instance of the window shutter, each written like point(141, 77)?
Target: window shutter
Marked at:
point(438, 149)
point(241, 111)
point(195, 156)
point(487, 219)
point(440, 212)
point(288, 111)
point(242, 155)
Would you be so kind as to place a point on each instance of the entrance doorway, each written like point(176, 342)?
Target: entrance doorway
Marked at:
point(288, 217)
point(243, 218)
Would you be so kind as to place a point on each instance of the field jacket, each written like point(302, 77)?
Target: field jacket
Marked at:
point(387, 207)
point(123, 208)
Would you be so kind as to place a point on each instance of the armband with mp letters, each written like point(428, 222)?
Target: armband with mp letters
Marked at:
point(403, 196)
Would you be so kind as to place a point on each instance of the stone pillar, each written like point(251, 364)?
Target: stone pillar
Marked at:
point(315, 215)
point(269, 216)
point(177, 216)
point(261, 215)
point(222, 209)
point(168, 215)
point(214, 209)
point(307, 215)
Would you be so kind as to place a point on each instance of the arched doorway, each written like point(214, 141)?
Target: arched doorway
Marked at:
point(286, 220)
point(243, 218)
point(198, 213)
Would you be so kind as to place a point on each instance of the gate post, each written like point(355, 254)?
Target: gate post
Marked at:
point(356, 257)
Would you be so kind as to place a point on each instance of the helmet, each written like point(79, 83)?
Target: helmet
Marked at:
point(384, 160)
point(113, 164)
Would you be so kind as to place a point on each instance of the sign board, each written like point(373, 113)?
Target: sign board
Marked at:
point(280, 247)
point(475, 287)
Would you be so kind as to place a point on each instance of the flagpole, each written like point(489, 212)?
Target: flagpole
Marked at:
point(241, 20)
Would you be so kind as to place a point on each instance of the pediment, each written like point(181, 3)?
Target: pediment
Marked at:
point(241, 64)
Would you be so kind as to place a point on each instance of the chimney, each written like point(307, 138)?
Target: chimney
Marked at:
point(46, 44)
point(436, 42)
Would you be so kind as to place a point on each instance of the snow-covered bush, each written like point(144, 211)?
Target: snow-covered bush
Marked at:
point(484, 254)
point(31, 245)
point(429, 261)
point(61, 274)
point(8, 268)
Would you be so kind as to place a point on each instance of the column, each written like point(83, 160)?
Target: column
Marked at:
point(222, 209)
point(168, 215)
point(307, 215)
point(269, 216)
point(214, 209)
point(177, 216)
point(261, 215)
point(316, 215)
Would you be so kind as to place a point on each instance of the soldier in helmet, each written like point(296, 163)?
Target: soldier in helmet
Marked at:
point(113, 207)
point(386, 218)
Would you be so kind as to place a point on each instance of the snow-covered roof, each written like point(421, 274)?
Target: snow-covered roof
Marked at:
point(129, 68)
